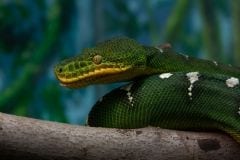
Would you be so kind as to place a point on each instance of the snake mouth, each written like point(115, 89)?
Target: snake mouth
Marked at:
point(99, 75)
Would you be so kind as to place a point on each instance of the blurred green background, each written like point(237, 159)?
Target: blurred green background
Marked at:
point(35, 35)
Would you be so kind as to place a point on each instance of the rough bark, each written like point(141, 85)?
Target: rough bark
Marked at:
point(26, 138)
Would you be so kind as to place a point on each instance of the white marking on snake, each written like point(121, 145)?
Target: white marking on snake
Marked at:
point(160, 49)
point(130, 98)
point(215, 63)
point(165, 75)
point(232, 82)
point(186, 56)
point(100, 100)
point(129, 94)
point(127, 87)
point(192, 77)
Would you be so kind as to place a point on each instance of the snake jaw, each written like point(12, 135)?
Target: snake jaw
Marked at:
point(99, 75)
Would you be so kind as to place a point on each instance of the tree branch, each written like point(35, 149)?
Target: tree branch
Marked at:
point(26, 138)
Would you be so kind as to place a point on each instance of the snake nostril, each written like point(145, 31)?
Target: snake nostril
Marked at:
point(60, 70)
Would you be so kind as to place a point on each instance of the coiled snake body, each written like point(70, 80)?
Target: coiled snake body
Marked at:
point(167, 89)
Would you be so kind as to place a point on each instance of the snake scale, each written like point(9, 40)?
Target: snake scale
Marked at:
point(167, 89)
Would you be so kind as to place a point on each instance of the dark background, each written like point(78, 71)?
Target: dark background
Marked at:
point(35, 35)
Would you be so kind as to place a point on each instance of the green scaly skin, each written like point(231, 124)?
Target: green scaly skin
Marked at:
point(206, 102)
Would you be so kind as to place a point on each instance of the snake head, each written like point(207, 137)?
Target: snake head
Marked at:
point(118, 59)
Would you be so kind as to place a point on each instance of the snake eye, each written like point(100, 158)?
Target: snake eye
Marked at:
point(97, 59)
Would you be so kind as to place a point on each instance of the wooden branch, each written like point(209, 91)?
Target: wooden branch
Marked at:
point(26, 138)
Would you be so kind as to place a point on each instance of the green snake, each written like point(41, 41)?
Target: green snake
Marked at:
point(167, 89)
